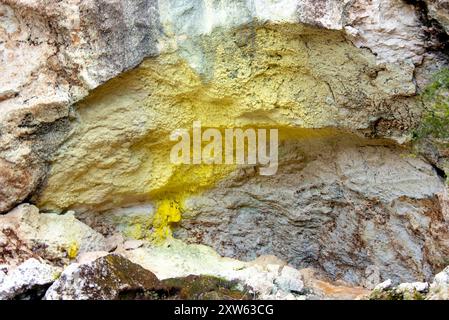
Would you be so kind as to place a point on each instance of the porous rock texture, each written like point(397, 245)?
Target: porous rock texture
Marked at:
point(93, 88)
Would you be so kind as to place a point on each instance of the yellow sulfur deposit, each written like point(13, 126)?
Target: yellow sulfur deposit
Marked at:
point(72, 250)
point(168, 212)
point(279, 76)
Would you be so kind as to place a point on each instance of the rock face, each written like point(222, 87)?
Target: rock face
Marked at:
point(67, 48)
point(342, 211)
point(52, 54)
point(93, 89)
point(120, 149)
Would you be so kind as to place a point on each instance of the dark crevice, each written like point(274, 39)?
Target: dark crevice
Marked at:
point(36, 292)
point(440, 172)
point(436, 37)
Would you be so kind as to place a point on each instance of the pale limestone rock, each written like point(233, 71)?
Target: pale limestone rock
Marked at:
point(373, 24)
point(289, 280)
point(88, 257)
point(176, 259)
point(439, 288)
point(86, 43)
point(132, 244)
point(28, 281)
point(394, 38)
point(114, 241)
point(442, 278)
point(410, 288)
point(51, 236)
point(329, 14)
point(386, 285)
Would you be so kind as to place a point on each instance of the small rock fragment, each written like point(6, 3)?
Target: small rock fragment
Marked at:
point(290, 280)
point(132, 244)
point(114, 241)
point(387, 284)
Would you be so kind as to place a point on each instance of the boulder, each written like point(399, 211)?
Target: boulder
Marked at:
point(29, 232)
point(265, 277)
point(105, 278)
point(439, 288)
point(114, 277)
point(30, 280)
point(404, 291)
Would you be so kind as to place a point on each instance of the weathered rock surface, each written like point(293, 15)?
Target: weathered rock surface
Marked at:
point(28, 233)
point(28, 281)
point(343, 208)
point(53, 53)
point(267, 277)
point(67, 48)
point(119, 153)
